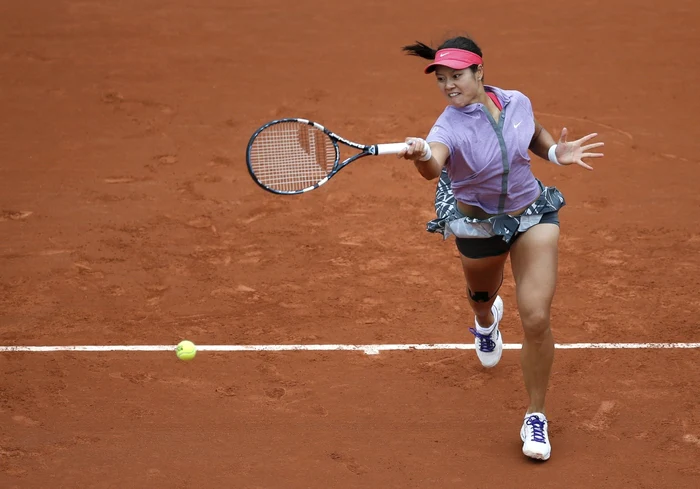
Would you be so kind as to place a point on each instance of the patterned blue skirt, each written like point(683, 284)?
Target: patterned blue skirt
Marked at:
point(450, 221)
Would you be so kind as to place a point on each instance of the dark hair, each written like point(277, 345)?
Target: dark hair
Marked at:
point(460, 42)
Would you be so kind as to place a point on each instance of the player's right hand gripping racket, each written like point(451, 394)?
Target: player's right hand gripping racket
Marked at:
point(293, 156)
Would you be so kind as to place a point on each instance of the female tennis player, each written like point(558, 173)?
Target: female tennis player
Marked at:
point(489, 199)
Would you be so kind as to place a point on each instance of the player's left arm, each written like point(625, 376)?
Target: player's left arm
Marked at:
point(541, 141)
point(563, 152)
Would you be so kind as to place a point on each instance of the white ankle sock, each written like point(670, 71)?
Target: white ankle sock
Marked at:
point(488, 330)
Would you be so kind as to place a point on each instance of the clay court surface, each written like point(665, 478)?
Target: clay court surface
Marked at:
point(128, 218)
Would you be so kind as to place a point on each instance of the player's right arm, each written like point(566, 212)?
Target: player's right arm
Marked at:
point(418, 149)
point(432, 168)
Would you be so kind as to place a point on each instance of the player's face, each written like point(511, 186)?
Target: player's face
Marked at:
point(459, 86)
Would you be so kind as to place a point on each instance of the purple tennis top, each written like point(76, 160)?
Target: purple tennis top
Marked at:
point(489, 164)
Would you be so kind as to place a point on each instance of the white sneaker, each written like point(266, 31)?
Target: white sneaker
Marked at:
point(489, 347)
point(534, 436)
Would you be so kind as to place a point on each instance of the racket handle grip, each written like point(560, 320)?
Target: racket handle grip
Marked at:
point(389, 148)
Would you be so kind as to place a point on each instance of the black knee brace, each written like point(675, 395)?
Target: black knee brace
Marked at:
point(483, 296)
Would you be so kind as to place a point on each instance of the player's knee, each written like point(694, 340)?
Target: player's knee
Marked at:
point(535, 320)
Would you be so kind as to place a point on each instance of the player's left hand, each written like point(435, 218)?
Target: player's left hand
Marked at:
point(572, 152)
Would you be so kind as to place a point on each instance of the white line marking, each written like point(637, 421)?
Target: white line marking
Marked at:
point(368, 349)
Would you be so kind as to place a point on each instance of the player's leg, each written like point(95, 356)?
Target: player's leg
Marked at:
point(534, 259)
point(482, 262)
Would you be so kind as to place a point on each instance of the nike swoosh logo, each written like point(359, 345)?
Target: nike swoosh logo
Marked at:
point(516, 125)
point(443, 54)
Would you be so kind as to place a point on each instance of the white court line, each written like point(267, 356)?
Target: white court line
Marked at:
point(368, 349)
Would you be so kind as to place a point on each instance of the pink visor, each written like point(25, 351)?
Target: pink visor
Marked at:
point(457, 59)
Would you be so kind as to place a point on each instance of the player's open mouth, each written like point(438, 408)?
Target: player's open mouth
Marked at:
point(453, 94)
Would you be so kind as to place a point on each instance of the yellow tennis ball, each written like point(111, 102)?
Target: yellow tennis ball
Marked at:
point(186, 350)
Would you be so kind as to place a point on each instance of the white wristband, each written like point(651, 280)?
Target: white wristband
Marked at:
point(428, 152)
point(552, 155)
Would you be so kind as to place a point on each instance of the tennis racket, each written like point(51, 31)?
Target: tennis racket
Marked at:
point(293, 156)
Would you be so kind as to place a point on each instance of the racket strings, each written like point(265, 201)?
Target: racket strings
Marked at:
point(292, 156)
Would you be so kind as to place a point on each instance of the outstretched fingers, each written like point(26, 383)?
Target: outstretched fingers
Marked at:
point(564, 133)
point(591, 146)
point(588, 138)
point(581, 163)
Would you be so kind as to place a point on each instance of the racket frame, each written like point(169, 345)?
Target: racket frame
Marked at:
point(365, 150)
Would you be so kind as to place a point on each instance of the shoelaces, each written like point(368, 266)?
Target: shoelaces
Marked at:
point(486, 344)
point(537, 426)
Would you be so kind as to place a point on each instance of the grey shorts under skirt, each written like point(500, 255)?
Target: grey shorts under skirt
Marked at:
point(479, 238)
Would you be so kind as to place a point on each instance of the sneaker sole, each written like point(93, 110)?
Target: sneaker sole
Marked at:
point(537, 456)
